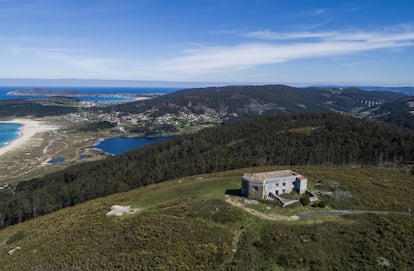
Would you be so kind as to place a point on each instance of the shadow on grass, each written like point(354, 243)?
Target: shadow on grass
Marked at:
point(233, 192)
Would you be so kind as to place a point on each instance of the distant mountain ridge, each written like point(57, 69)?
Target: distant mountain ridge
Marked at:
point(405, 90)
point(259, 99)
point(248, 101)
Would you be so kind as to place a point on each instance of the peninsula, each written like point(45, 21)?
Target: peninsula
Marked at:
point(75, 93)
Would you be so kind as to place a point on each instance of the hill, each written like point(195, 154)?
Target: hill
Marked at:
point(54, 106)
point(248, 101)
point(252, 100)
point(302, 139)
point(186, 224)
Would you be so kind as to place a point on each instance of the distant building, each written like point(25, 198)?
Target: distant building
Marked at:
point(264, 185)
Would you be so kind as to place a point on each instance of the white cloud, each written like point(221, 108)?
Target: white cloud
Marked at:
point(332, 35)
point(278, 48)
point(95, 64)
point(198, 61)
point(270, 35)
point(73, 57)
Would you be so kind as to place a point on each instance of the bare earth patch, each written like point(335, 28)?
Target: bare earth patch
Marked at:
point(118, 210)
point(275, 217)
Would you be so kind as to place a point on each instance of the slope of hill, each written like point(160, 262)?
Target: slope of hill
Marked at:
point(233, 101)
point(319, 139)
point(185, 224)
point(400, 112)
point(54, 106)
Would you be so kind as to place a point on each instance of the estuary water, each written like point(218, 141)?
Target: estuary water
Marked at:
point(118, 145)
point(9, 132)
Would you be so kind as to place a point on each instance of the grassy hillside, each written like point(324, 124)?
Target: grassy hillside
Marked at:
point(318, 139)
point(186, 224)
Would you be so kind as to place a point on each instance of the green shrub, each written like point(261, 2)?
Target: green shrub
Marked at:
point(321, 204)
point(305, 201)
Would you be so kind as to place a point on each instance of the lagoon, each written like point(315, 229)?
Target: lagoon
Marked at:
point(56, 160)
point(119, 145)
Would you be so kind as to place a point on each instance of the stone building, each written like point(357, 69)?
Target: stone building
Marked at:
point(264, 185)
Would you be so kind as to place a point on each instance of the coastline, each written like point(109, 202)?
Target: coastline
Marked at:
point(28, 130)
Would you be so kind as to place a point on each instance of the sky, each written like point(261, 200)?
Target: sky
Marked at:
point(258, 41)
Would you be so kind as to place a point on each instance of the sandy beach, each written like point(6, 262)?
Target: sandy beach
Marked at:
point(30, 128)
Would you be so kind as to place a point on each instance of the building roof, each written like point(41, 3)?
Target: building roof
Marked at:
point(262, 176)
point(302, 177)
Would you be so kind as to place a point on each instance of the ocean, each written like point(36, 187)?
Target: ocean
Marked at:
point(93, 91)
point(9, 132)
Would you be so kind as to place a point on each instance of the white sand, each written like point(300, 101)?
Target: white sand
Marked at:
point(29, 129)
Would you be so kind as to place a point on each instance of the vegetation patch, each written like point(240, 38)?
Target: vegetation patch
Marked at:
point(186, 224)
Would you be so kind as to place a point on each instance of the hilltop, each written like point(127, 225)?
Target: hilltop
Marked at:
point(252, 100)
point(291, 139)
point(246, 101)
point(186, 224)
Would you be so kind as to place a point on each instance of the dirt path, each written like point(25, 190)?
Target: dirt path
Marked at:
point(348, 212)
point(273, 217)
point(45, 149)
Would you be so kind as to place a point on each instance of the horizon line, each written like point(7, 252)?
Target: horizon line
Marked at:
point(165, 83)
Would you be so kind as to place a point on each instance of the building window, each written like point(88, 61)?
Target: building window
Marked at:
point(256, 188)
point(284, 184)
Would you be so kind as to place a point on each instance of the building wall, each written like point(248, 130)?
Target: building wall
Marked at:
point(252, 189)
point(245, 188)
point(301, 185)
point(279, 186)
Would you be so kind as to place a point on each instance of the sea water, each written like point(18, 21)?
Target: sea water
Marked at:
point(9, 132)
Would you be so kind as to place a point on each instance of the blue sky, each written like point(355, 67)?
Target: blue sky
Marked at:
point(259, 41)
